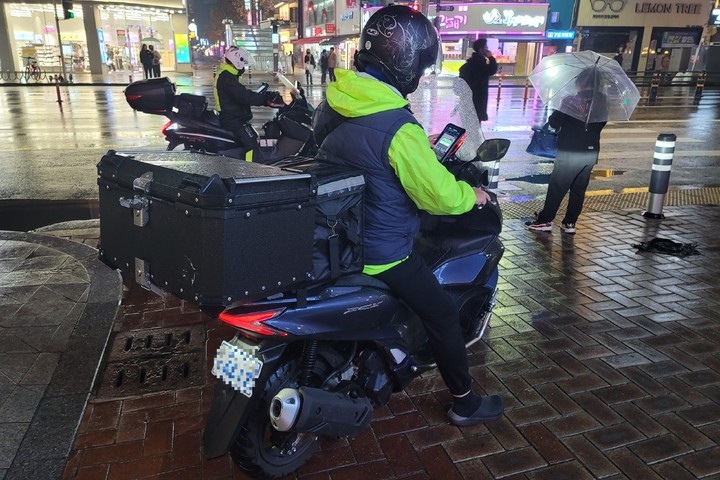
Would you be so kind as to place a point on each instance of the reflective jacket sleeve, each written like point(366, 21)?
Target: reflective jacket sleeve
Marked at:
point(236, 91)
point(426, 181)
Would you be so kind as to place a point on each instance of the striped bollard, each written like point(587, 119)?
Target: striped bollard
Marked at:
point(660, 177)
point(493, 174)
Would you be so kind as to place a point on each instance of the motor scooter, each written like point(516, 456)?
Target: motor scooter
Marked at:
point(195, 127)
point(316, 362)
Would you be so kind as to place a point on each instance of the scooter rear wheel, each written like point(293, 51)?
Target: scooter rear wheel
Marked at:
point(261, 450)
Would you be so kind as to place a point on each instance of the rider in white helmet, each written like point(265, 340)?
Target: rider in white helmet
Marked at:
point(233, 100)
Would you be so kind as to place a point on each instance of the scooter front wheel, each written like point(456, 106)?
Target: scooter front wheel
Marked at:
point(264, 452)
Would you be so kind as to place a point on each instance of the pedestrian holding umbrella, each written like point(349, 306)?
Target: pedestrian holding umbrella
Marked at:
point(554, 81)
point(586, 90)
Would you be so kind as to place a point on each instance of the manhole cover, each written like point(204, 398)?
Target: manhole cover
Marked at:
point(155, 359)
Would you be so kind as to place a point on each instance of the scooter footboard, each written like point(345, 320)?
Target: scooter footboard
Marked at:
point(231, 408)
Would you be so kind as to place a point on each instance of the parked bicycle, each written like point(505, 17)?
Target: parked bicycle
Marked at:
point(32, 69)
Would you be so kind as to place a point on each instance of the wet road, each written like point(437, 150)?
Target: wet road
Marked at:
point(49, 153)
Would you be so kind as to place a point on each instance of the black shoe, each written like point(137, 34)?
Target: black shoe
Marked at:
point(490, 409)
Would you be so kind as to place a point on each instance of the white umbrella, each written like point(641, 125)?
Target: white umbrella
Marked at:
point(585, 85)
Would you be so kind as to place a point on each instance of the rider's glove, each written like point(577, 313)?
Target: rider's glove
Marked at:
point(273, 99)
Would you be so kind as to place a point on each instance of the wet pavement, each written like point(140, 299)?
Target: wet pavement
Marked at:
point(50, 153)
point(608, 360)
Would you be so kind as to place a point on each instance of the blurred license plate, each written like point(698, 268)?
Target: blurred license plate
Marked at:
point(238, 366)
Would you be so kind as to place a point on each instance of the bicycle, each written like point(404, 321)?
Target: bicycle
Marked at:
point(32, 69)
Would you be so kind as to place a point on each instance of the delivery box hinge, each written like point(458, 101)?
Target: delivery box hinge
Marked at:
point(140, 206)
point(144, 278)
point(138, 203)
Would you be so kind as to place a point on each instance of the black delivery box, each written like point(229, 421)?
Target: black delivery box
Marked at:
point(210, 229)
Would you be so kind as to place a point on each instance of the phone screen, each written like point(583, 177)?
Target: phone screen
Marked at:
point(447, 139)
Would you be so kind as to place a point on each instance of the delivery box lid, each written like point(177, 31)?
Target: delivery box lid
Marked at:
point(204, 180)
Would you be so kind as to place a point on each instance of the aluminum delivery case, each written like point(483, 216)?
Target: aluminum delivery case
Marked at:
point(209, 229)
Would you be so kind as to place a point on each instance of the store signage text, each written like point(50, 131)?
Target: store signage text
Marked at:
point(685, 8)
point(493, 17)
point(509, 18)
point(560, 34)
point(503, 18)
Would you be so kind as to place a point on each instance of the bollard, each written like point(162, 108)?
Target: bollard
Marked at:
point(499, 88)
point(130, 78)
point(214, 70)
point(57, 90)
point(249, 69)
point(654, 85)
point(660, 177)
point(527, 87)
point(493, 174)
point(700, 85)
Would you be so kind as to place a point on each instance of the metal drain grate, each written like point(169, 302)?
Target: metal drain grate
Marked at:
point(152, 360)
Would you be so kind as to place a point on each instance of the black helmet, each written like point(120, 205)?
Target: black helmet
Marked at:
point(399, 42)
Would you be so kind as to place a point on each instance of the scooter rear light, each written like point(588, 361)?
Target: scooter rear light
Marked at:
point(165, 127)
point(254, 321)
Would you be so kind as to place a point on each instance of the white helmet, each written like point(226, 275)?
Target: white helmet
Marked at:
point(237, 57)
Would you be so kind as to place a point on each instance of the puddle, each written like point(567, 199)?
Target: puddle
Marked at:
point(26, 215)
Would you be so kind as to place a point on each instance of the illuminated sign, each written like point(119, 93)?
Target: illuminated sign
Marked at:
point(488, 18)
point(182, 49)
point(715, 17)
point(560, 34)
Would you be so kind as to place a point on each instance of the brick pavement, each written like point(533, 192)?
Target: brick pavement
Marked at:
point(608, 360)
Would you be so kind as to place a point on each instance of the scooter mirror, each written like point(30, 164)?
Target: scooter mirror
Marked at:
point(493, 149)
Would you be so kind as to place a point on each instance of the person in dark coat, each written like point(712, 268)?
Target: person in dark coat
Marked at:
point(477, 72)
point(146, 61)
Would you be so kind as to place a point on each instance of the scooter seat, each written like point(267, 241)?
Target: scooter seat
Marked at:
point(361, 280)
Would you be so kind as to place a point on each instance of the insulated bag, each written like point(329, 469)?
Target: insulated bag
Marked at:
point(338, 235)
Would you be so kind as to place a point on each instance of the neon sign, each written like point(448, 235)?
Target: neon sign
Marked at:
point(467, 18)
point(509, 19)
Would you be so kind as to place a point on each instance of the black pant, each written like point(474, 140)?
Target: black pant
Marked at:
point(414, 283)
point(308, 76)
point(148, 71)
point(331, 71)
point(247, 137)
point(571, 172)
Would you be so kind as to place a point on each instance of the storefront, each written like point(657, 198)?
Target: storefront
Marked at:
point(649, 36)
point(101, 37)
point(515, 33)
point(318, 24)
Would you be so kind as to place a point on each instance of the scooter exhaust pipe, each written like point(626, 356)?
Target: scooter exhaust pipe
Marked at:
point(320, 412)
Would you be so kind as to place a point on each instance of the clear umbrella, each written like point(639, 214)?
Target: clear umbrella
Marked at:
point(585, 85)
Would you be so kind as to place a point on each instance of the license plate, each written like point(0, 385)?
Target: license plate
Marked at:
point(237, 366)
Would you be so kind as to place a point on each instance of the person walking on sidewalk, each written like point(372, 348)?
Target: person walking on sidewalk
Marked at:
point(309, 67)
point(332, 63)
point(578, 150)
point(477, 72)
point(402, 176)
point(323, 67)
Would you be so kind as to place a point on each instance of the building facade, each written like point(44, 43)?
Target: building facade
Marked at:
point(650, 35)
point(102, 36)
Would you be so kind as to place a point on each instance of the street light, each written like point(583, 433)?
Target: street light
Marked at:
point(228, 31)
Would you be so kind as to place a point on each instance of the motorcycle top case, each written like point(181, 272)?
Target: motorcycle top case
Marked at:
point(209, 229)
point(153, 95)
